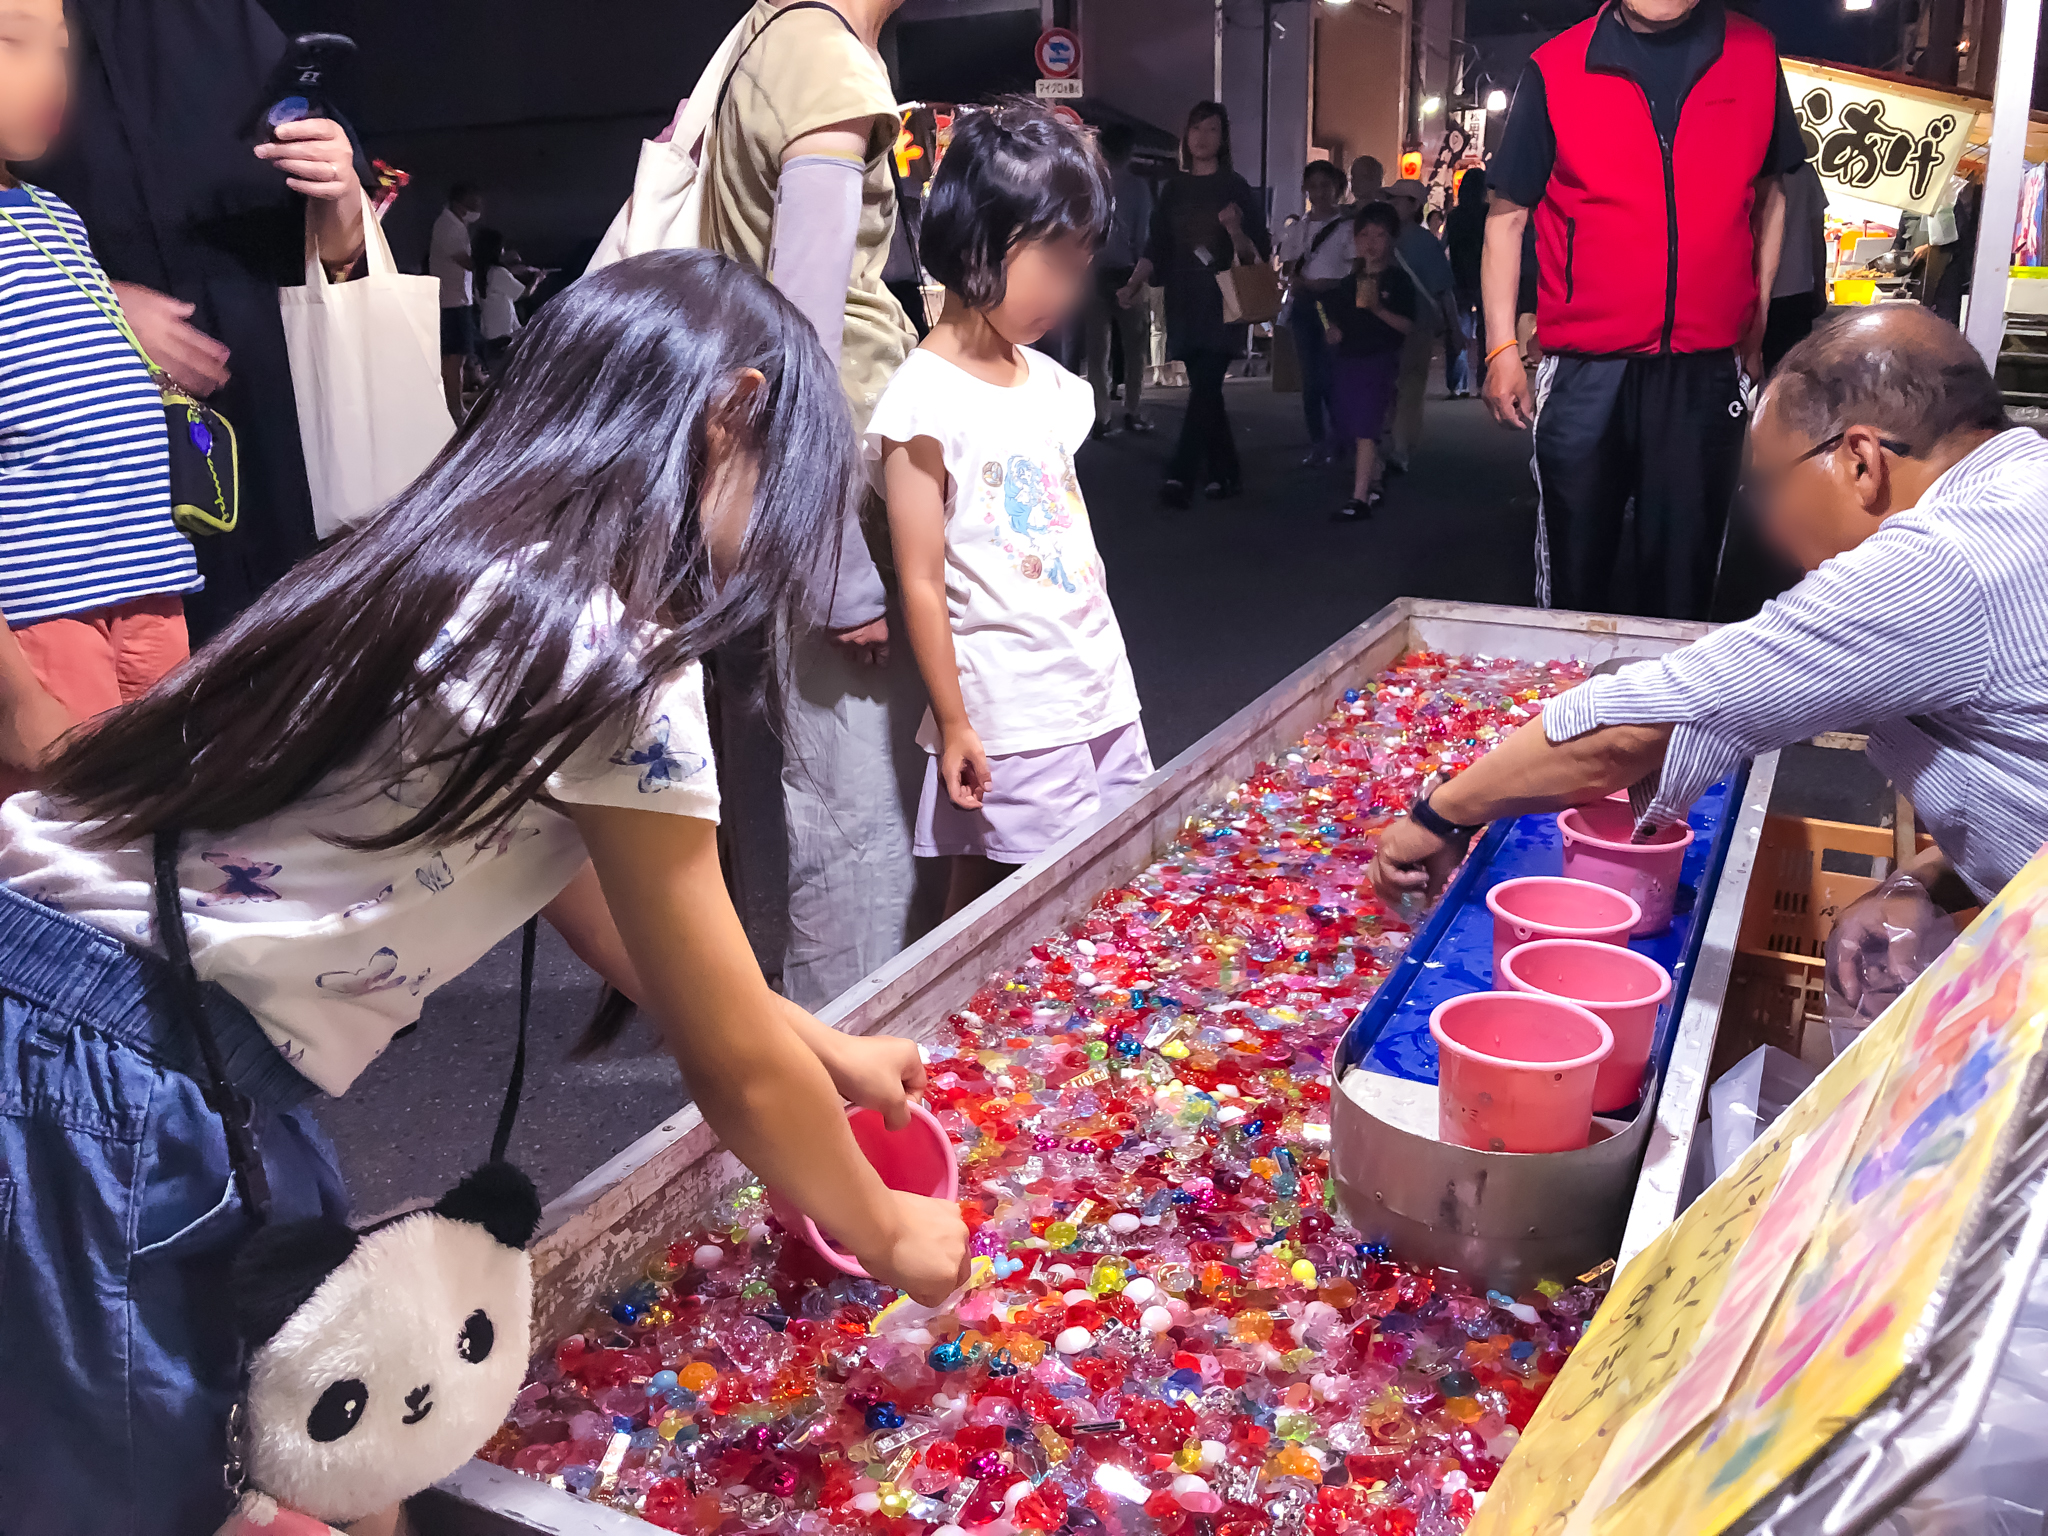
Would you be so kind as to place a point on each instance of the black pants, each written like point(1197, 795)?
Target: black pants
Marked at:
point(1205, 431)
point(1659, 436)
point(1789, 322)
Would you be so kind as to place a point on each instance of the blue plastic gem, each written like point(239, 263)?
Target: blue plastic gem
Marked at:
point(621, 1424)
point(1522, 1349)
point(579, 1479)
point(682, 1399)
point(1457, 1384)
point(1185, 1380)
point(661, 1384)
point(885, 1416)
point(1500, 1298)
point(947, 1356)
point(625, 1312)
point(1000, 1364)
point(775, 1318)
point(202, 437)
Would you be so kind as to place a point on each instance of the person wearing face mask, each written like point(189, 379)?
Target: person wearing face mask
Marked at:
point(1647, 146)
point(449, 259)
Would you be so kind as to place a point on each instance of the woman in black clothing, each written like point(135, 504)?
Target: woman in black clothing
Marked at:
point(1206, 220)
point(1464, 240)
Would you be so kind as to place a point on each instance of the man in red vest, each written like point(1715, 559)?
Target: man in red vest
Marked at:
point(1647, 144)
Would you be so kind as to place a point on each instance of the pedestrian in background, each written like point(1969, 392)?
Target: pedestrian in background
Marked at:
point(1207, 220)
point(1800, 295)
point(1464, 241)
point(1370, 316)
point(1653, 116)
point(1368, 182)
point(198, 225)
point(451, 260)
point(1421, 256)
point(1115, 259)
point(1316, 255)
point(504, 283)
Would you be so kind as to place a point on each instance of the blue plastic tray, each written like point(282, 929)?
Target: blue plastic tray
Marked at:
point(1453, 951)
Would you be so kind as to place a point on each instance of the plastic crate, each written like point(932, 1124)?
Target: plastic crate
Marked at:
point(1806, 872)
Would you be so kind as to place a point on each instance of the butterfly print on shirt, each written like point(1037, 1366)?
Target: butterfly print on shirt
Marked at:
point(660, 768)
point(435, 874)
point(245, 877)
point(379, 974)
point(498, 844)
point(357, 908)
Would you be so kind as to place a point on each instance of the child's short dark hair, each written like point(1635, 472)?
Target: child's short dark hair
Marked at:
point(1322, 168)
point(1013, 172)
point(1383, 215)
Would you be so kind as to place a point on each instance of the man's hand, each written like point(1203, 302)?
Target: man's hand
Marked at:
point(194, 360)
point(316, 157)
point(1507, 390)
point(869, 644)
point(963, 768)
point(1412, 860)
point(31, 722)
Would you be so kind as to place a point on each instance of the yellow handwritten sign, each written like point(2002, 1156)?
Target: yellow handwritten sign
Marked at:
point(1953, 1057)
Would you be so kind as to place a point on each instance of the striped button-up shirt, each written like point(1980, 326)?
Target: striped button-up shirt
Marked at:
point(1933, 631)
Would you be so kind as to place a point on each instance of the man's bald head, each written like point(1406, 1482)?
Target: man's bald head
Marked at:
point(1898, 368)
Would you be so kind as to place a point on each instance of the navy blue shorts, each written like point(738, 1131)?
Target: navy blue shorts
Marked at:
point(118, 1221)
point(459, 335)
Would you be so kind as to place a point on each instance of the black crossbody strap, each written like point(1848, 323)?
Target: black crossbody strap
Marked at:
point(236, 1111)
point(796, 5)
point(509, 1111)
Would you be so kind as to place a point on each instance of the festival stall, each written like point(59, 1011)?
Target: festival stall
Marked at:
point(1237, 1280)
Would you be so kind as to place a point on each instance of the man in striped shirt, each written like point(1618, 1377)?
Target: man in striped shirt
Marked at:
point(1885, 466)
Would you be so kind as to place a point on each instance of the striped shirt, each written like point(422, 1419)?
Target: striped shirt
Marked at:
point(85, 491)
point(1935, 628)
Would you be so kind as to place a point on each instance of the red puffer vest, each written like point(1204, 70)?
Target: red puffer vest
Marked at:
point(1644, 246)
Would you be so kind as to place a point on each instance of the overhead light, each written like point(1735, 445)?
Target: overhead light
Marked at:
point(1857, 5)
point(1496, 101)
point(1432, 105)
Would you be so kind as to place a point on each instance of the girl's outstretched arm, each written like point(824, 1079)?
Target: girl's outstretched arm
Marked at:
point(761, 1087)
point(914, 481)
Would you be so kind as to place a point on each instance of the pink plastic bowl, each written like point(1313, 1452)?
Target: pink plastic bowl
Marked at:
point(1599, 846)
point(1551, 907)
point(1516, 1071)
point(917, 1160)
point(1621, 988)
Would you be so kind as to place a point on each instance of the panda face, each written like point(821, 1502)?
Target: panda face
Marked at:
point(391, 1374)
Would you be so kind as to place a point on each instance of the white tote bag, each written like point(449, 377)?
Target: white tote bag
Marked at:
point(666, 209)
point(366, 367)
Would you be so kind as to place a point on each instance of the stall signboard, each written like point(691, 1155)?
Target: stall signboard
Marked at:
point(1770, 1315)
point(1892, 144)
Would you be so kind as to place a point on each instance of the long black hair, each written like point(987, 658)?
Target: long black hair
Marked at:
point(580, 471)
point(1201, 112)
point(1012, 173)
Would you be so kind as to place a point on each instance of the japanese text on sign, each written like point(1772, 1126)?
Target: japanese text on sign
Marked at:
point(1893, 147)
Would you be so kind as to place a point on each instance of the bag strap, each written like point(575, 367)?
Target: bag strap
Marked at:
point(108, 303)
point(795, 5)
point(236, 1111)
point(1324, 233)
point(235, 1108)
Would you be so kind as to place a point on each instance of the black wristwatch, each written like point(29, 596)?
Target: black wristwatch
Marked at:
point(1426, 817)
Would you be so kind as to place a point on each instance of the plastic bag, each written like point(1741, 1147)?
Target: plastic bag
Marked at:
point(1747, 1098)
point(1880, 945)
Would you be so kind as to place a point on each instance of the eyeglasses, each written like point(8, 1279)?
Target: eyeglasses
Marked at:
point(1758, 484)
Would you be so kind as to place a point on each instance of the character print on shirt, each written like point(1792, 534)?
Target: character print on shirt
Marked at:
point(358, 908)
point(1040, 506)
point(245, 877)
point(379, 974)
point(660, 766)
point(435, 874)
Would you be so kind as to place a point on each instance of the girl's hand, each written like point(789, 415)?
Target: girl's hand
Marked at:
point(1332, 335)
point(879, 1072)
point(927, 1255)
point(1231, 217)
point(316, 158)
point(963, 768)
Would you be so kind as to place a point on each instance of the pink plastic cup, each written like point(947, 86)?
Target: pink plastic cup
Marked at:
point(917, 1160)
point(1516, 1071)
point(1621, 988)
point(1599, 846)
point(1552, 907)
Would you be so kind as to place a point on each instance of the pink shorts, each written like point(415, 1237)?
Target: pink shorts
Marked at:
point(1037, 798)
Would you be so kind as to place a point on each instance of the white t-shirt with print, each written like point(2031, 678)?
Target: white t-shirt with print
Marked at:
point(1042, 661)
point(332, 949)
point(1334, 249)
point(499, 314)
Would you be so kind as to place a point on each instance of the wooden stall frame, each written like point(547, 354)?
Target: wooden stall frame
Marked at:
point(615, 1220)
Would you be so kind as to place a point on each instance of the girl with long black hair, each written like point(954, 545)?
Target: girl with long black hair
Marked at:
point(1207, 220)
point(484, 703)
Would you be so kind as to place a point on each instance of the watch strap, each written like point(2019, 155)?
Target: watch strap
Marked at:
point(1426, 816)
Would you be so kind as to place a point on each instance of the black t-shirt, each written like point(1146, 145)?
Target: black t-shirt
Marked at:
point(1365, 333)
point(1665, 65)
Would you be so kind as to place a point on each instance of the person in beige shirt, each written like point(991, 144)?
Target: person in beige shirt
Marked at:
point(800, 186)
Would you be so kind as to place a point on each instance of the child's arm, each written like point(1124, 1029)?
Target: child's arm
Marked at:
point(761, 1087)
point(914, 482)
point(31, 720)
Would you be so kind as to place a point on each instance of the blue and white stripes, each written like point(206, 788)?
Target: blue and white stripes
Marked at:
point(1933, 633)
point(85, 515)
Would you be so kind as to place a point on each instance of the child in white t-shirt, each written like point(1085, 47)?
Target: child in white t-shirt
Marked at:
point(1034, 721)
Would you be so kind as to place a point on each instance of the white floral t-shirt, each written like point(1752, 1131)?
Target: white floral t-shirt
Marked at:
point(1042, 661)
point(334, 950)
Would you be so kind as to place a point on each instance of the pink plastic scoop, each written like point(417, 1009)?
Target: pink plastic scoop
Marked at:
point(917, 1160)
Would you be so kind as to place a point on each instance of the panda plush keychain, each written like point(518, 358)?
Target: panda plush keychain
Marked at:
point(375, 1360)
